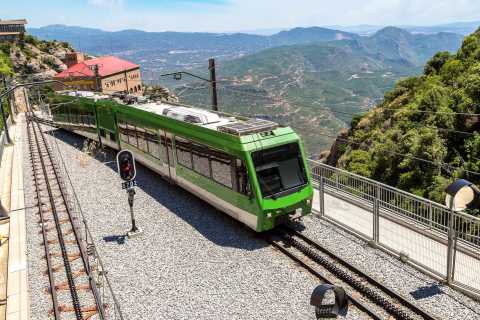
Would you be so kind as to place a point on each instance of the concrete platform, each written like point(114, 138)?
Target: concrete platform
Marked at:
point(13, 259)
point(394, 233)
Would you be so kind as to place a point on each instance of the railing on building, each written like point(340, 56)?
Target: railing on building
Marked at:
point(460, 253)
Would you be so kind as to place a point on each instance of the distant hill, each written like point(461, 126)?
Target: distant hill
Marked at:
point(421, 137)
point(317, 87)
point(166, 50)
point(463, 28)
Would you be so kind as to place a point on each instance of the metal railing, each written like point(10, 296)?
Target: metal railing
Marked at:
point(3, 137)
point(427, 234)
point(110, 303)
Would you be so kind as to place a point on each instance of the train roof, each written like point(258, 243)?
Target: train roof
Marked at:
point(217, 121)
point(211, 120)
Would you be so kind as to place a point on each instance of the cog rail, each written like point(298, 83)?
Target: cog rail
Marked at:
point(72, 286)
point(362, 289)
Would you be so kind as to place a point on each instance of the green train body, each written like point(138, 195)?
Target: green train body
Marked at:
point(259, 178)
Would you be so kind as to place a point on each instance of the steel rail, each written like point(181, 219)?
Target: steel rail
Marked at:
point(61, 240)
point(83, 253)
point(51, 278)
point(359, 304)
point(388, 306)
point(89, 234)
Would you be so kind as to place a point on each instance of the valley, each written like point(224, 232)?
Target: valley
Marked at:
point(312, 79)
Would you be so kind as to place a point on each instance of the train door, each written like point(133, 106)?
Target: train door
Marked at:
point(167, 154)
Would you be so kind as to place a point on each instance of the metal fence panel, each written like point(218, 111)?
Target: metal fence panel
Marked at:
point(421, 231)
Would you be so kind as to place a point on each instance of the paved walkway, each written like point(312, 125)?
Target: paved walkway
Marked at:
point(395, 234)
point(13, 259)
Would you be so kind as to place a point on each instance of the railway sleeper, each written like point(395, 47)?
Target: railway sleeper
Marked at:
point(65, 286)
point(70, 256)
point(48, 220)
point(360, 285)
point(87, 312)
point(60, 266)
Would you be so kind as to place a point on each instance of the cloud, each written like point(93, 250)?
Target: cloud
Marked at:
point(111, 4)
point(234, 15)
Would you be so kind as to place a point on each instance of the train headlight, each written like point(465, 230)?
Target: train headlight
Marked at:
point(269, 215)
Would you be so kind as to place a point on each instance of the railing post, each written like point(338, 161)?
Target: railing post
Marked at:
point(336, 179)
point(430, 215)
point(376, 216)
point(321, 193)
point(450, 247)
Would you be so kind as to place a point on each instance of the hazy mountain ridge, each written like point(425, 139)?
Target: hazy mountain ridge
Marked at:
point(166, 50)
point(320, 85)
point(421, 137)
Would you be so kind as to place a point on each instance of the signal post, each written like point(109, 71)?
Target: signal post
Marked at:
point(127, 171)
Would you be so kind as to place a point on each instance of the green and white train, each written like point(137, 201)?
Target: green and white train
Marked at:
point(251, 169)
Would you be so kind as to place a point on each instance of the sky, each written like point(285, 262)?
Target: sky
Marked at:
point(236, 15)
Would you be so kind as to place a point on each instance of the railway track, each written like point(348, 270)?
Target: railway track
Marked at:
point(369, 295)
point(72, 288)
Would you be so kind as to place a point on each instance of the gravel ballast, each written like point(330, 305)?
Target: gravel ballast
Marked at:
point(433, 296)
point(191, 262)
point(194, 262)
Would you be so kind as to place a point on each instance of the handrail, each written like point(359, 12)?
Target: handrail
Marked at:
point(396, 190)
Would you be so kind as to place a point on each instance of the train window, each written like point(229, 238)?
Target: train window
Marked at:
point(279, 169)
point(201, 161)
point(112, 136)
point(132, 136)
point(184, 156)
point(222, 172)
point(102, 133)
point(242, 183)
point(142, 143)
point(153, 144)
point(122, 127)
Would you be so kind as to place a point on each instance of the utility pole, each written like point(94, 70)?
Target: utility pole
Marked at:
point(213, 82)
point(97, 78)
point(126, 79)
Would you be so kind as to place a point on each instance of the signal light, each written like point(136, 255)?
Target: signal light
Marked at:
point(126, 165)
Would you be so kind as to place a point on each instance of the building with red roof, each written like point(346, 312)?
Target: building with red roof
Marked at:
point(105, 74)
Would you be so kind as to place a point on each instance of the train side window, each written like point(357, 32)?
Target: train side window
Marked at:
point(242, 183)
point(153, 144)
point(142, 143)
point(102, 133)
point(132, 136)
point(222, 171)
point(122, 128)
point(201, 160)
point(112, 136)
point(184, 156)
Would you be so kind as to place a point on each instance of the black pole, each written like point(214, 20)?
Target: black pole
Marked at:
point(131, 194)
point(97, 78)
point(4, 118)
point(213, 82)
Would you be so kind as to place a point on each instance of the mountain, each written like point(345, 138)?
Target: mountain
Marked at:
point(166, 50)
point(425, 132)
point(317, 88)
point(395, 43)
point(463, 28)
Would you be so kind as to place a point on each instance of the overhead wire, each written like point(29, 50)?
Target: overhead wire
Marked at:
point(437, 164)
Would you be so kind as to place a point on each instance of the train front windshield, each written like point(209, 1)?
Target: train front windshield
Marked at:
point(280, 170)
